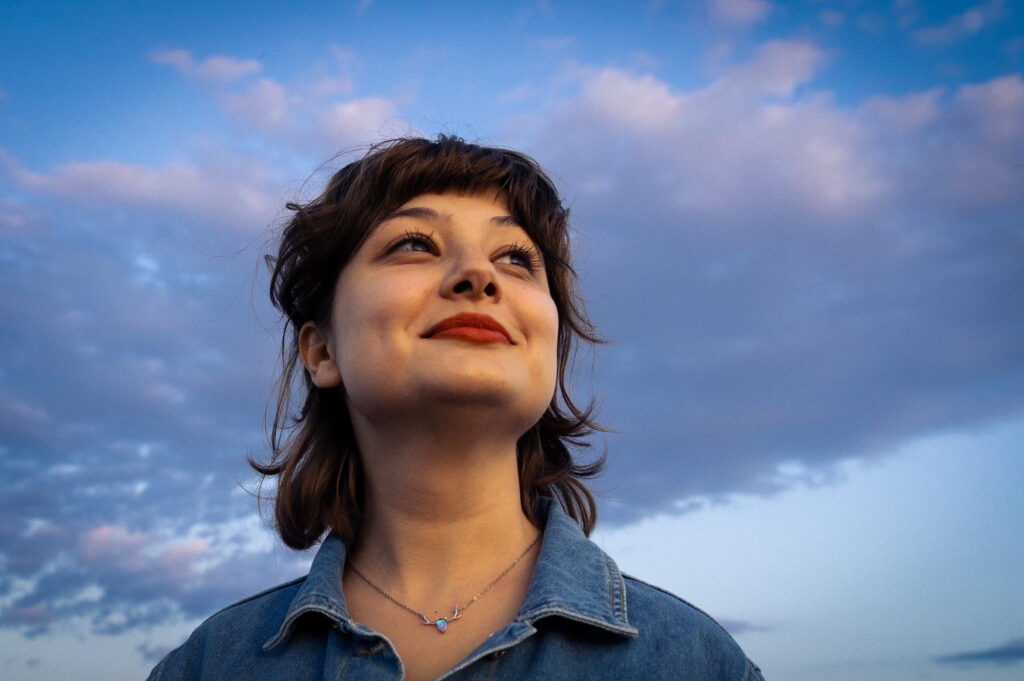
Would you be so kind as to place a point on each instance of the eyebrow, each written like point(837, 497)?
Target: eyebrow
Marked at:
point(430, 215)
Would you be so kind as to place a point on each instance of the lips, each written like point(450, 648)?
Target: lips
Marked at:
point(469, 326)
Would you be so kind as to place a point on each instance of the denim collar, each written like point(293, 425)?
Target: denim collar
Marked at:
point(573, 579)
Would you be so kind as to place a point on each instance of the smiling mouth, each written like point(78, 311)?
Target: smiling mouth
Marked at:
point(469, 326)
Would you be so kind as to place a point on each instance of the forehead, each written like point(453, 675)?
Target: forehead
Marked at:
point(449, 207)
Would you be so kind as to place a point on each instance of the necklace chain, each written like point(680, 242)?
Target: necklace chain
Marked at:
point(442, 623)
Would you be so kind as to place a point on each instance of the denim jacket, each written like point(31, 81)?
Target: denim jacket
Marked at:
point(581, 619)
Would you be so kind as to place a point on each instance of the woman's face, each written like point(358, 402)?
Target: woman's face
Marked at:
point(445, 303)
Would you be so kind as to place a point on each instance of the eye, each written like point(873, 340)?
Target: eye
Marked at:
point(416, 242)
point(520, 255)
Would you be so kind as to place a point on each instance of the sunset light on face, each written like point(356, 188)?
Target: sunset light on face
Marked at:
point(799, 224)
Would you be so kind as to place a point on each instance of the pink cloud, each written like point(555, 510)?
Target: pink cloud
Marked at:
point(127, 552)
point(177, 560)
point(108, 542)
point(31, 615)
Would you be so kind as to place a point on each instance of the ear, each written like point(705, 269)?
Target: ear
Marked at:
point(315, 352)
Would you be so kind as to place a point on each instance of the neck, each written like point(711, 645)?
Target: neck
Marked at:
point(442, 514)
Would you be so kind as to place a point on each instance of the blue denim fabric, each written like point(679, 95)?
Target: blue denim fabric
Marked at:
point(581, 619)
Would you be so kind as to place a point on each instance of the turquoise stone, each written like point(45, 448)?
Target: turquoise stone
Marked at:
point(442, 625)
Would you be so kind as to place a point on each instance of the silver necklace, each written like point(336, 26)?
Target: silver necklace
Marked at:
point(442, 623)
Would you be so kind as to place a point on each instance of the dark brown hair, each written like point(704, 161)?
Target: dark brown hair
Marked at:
point(314, 453)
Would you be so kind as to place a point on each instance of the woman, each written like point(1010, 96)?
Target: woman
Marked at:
point(433, 309)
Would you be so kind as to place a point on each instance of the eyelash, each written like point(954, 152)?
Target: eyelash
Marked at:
point(407, 237)
point(524, 249)
point(527, 251)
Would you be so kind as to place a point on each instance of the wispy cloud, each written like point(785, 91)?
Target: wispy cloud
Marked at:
point(777, 68)
point(962, 26)
point(318, 115)
point(740, 12)
point(145, 291)
point(218, 190)
point(216, 69)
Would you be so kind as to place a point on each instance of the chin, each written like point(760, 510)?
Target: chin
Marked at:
point(475, 393)
point(481, 394)
point(497, 399)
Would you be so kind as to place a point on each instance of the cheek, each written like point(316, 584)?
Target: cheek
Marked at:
point(550, 321)
point(371, 332)
point(356, 331)
point(548, 339)
point(544, 379)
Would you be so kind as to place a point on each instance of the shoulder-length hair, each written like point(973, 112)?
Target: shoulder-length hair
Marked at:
point(313, 452)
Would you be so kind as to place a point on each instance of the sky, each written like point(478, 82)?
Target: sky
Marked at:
point(798, 224)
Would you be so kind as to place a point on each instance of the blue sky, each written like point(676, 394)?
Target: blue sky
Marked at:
point(800, 225)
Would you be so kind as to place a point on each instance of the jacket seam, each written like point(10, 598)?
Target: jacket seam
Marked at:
point(619, 588)
point(599, 621)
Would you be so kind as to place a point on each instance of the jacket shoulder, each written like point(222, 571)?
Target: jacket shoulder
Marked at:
point(240, 628)
point(668, 622)
point(646, 599)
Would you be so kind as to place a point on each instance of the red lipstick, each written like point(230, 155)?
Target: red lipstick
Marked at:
point(469, 326)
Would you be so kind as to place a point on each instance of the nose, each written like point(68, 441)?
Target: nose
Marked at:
point(472, 276)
